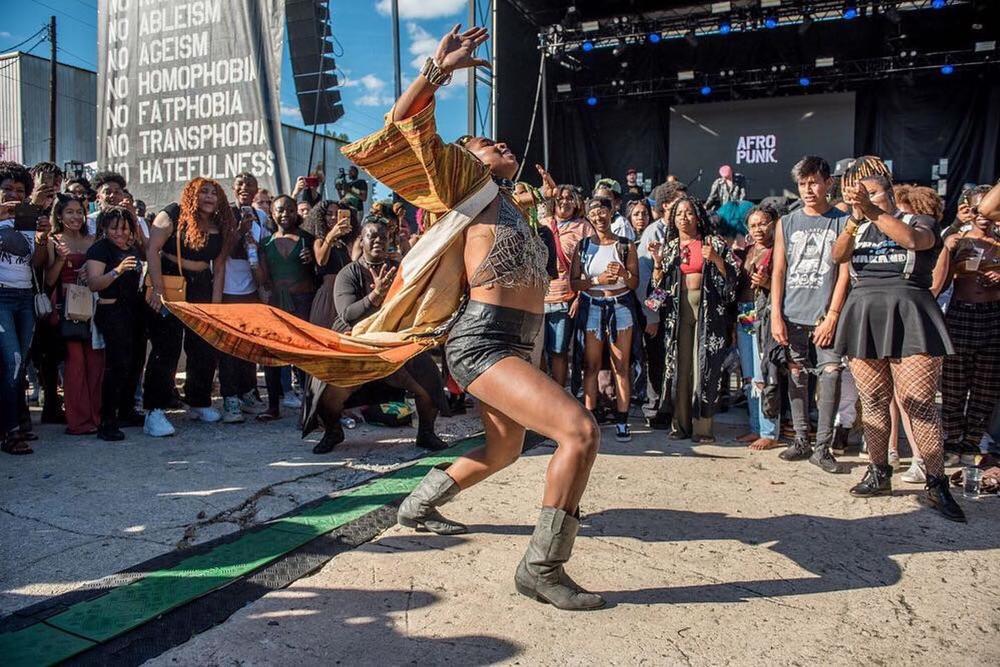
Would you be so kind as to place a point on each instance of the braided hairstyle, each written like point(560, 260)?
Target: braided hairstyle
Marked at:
point(870, 168)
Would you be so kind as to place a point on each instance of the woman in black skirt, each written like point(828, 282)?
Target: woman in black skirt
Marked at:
point(892, 328)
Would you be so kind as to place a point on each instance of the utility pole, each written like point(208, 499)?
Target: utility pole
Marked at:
point(397, 81)
point(52, 90)
point(471, 87)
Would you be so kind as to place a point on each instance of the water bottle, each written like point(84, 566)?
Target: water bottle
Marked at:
point(252, 254)
point(348, 422)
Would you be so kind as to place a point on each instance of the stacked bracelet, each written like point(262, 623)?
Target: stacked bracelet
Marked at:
point(434, 74)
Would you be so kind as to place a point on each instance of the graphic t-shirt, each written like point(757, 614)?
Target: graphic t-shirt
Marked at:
point(878, 260)
point(16, 249)
point(811, 273)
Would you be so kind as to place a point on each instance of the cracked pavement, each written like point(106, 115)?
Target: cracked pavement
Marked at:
point(81, 509)
point(707, 555)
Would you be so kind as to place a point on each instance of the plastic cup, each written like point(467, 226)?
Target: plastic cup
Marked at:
point(972, 477)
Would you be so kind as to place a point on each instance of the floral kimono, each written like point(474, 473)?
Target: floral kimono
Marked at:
point(717, 293)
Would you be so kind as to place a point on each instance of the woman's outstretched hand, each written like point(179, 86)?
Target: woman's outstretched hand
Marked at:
point(457, 50)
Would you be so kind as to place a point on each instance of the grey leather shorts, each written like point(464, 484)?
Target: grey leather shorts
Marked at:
point(484, 334)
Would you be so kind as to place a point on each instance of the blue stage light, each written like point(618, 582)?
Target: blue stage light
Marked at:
point(938, 4)
point(654, 38)
point(771, 22)
point(706, 90)
point(804, 81)
point(947, 69)
point(725, 27)
point(850, 13)
point(591, 101)
point(588, 46)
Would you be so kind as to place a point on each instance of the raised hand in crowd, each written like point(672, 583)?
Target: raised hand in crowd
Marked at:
point(455, 50)
point(709, 254)
point(549, 186)
point(382, 282)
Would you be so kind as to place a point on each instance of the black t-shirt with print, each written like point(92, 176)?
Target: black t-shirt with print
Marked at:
point(877, 259)
point(125, 286)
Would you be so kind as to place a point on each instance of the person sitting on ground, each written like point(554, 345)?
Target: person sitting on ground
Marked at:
point(605, 271)
point(697, 272)
point(361, 286)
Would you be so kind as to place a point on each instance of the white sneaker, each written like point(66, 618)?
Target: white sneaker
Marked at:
point(231, 410)
point(204, 414)
point(291, 401)
point(252, 405)
point(157, 425)
point(915, 474)
point(894, 460)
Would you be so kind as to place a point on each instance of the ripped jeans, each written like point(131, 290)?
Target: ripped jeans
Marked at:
point(17, 324)
point(750, 363)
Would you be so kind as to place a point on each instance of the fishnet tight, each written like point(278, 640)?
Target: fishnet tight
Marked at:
point(915, 381)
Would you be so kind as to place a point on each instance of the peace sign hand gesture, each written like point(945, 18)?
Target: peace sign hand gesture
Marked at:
point(457, 50)
point(383, 280)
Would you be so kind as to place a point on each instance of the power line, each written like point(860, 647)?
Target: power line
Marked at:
point(63, 13)
point(46, 88)
point(19, 44)
point(80, 58)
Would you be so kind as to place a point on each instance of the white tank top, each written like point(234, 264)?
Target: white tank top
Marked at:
point(594, 260)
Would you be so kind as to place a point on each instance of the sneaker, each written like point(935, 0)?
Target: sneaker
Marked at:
point(894, 460)
point(208, 415)
point(291, 401)
point(250, 404)
point(822, 457)
point(157, 425)
point(623, 433)
point(232, 412)
point(799, 450)
point(110, 433)
point(916, 474)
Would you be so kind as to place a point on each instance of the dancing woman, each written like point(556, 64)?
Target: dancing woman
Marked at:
point(490, 341)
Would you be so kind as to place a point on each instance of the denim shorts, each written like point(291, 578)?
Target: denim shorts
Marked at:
point(623, 316)
point(558, 328)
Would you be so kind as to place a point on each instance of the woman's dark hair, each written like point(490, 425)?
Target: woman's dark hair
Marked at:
point(705, 226)
point(638, 202)
point(59, 205)
point(769, 211)
point(108, 216)
point(47, 168)
point(102, 177)
point(82, 180)
point(971, 193)
point(315, 221)
point(13, 171)
point(577, 199)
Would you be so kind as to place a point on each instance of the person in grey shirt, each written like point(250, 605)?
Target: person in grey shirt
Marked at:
point(807, 293)
point(657, 406)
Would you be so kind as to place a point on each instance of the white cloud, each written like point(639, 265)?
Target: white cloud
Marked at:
point(422, 9)
point(375, 100)
point(290, 112)
point(4, 34)
point(422, 44)
point(369, 82)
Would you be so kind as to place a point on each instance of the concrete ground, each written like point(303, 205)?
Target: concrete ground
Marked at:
point(80, 509)
point(706, 554)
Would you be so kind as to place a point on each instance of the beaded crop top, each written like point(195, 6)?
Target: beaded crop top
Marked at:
point(518, 256)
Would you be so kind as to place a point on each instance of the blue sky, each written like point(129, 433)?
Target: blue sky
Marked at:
point(363, 30)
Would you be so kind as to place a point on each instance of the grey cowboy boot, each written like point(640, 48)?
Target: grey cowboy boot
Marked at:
point(418, 508)
point(540, 574)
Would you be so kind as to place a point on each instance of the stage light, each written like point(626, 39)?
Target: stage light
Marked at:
point(564, 87)
point(590, 26)
point(591, 101)
point(770, 22)
point(938, 4)
point(721, 7)
point(706, 90)
point(725, 27)
point(804, 81)
point(685, 75)
point(824, 62)
point(587, 46)
point(947, 69)
point(850, 10)
point(654, 38)
point(982, 47)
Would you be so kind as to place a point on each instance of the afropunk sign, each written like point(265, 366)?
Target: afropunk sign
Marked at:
point(189, 88)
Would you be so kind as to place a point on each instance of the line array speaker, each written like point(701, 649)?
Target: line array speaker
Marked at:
point(313, 64)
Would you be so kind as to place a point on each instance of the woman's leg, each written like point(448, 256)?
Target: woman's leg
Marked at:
point(77, 401)
point(745, 344)
point(593, 356)
point(95, 375)
point(166, 335)
point(504, 442)
point(916, 382)
point(874, 381)
point(686, 355)
point(621, 367)
point(957, 374)
point(984, 389)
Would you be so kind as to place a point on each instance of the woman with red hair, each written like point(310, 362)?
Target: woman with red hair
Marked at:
point(192, 238)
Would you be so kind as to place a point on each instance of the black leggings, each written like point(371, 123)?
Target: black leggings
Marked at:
point(236, 376)
point(166, 335)
point(122, 326)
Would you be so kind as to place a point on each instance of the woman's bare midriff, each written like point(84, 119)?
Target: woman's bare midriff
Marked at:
point(692, 282)
point(478, 244)
point(968, 289)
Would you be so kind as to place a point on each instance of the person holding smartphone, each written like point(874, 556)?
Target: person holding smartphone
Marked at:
point(335, 245)
point(113, 268)
point(24, 239)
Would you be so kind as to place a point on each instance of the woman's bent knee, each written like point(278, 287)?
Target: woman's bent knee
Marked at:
point(582, 436)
